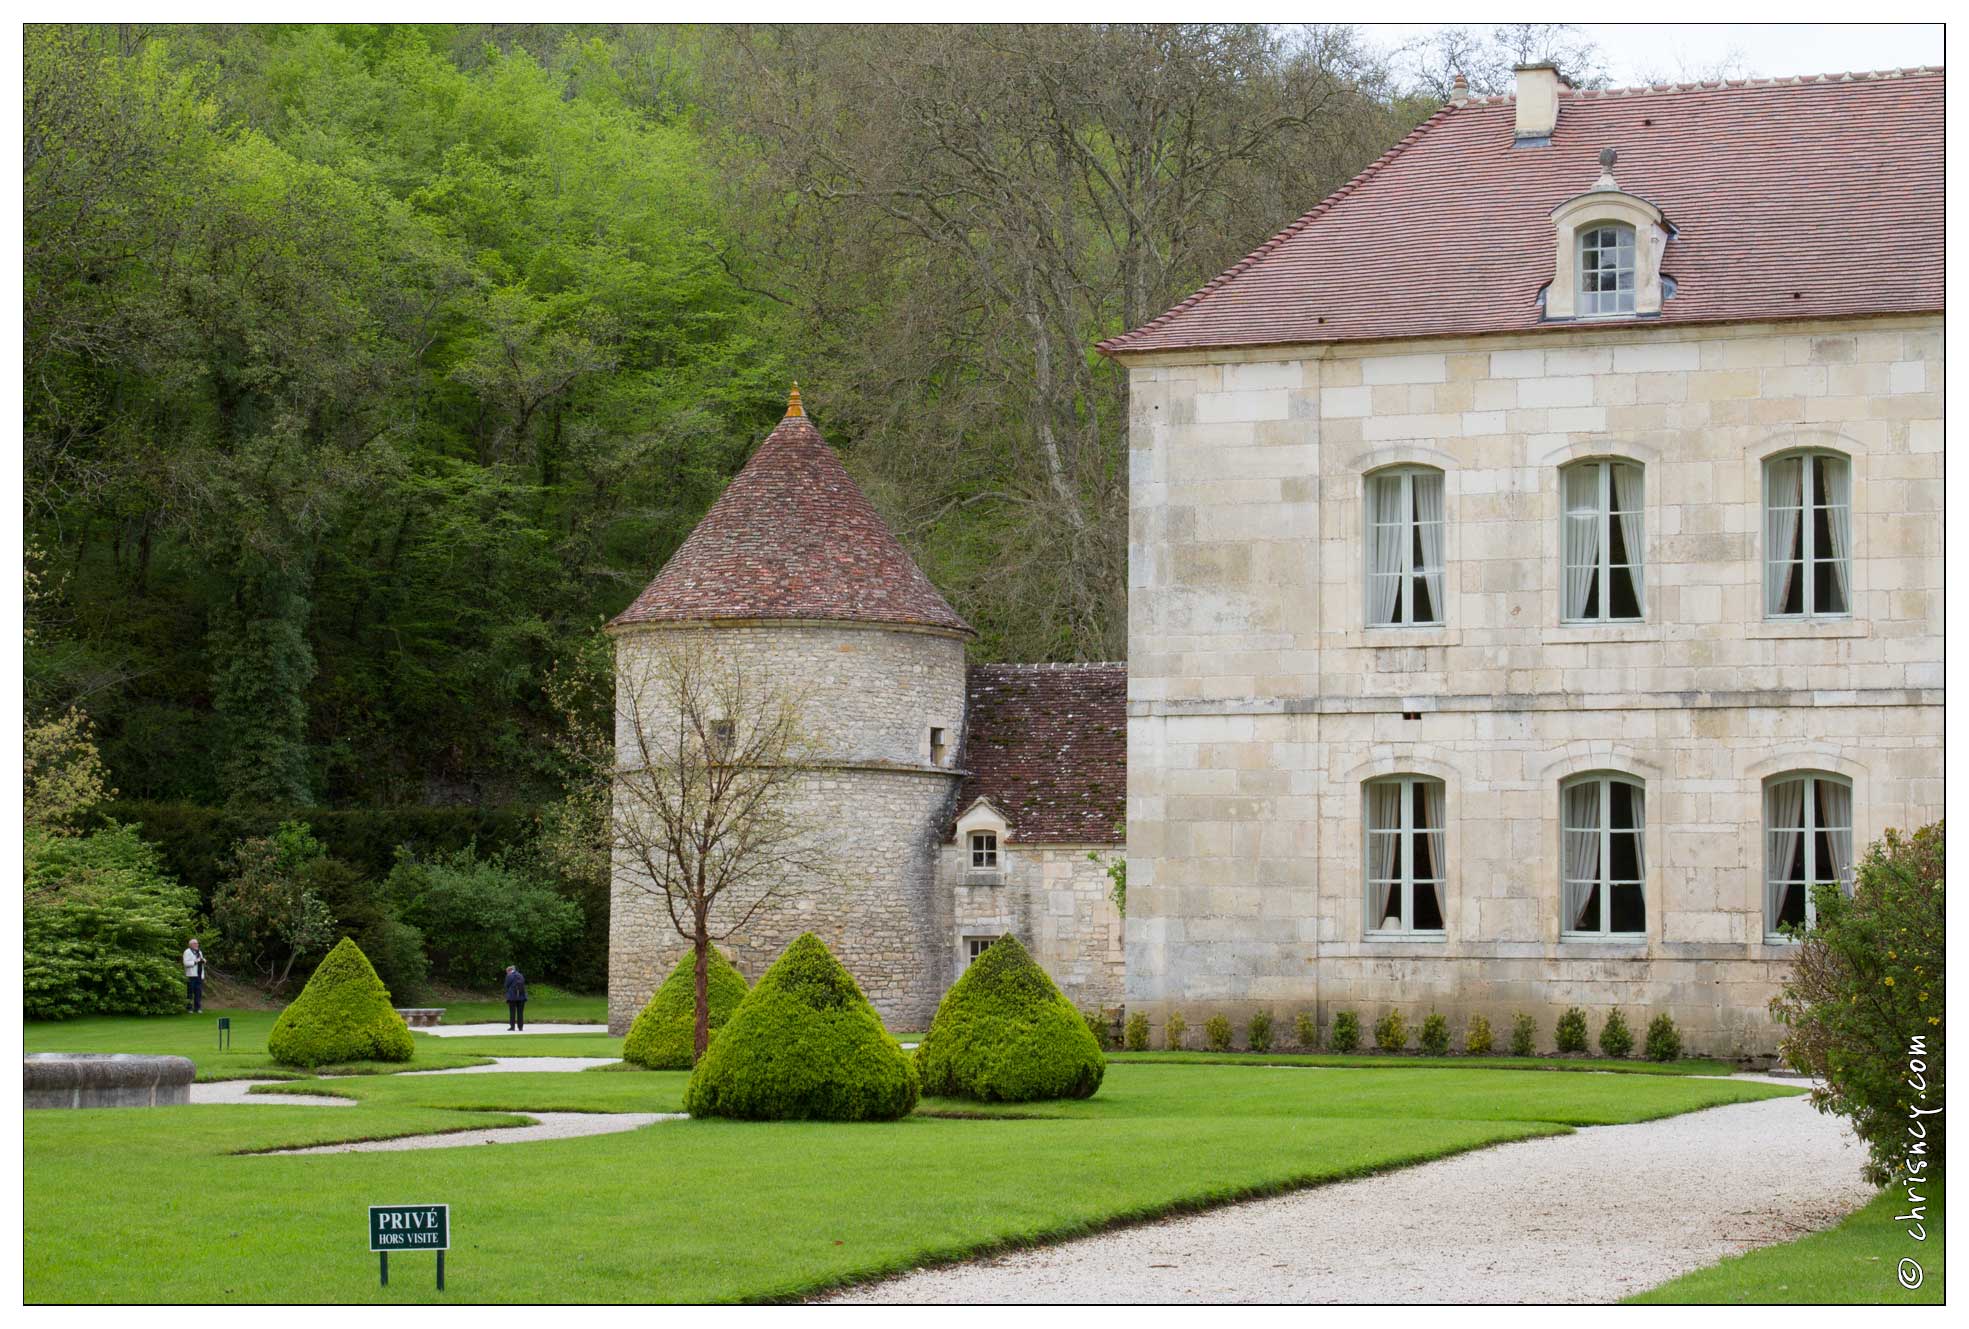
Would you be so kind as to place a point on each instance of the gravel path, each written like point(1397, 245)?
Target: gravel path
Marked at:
point(499, 1064)
point(501, 1031)
point(237, 1091)
point(1588, 1217)
point(545, 1126)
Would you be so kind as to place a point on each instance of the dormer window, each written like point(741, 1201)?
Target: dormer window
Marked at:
point(1608, 252)
point(984, 851)
point(1606, 270)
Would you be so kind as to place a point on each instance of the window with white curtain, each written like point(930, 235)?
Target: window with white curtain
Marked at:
point(1606, 270)
point(1404, 821)
point(1808, 841)
point(1404, 547)
point(1808, 523)
point(1601, 542)
point(1603, 819)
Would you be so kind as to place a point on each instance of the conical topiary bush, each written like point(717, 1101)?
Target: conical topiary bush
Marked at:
point(804, 1045)
point(664, 1036)
point(1004, 1033)
point(343, 1014)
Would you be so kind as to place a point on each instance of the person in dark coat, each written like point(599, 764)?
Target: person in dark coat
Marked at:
point(515, 999)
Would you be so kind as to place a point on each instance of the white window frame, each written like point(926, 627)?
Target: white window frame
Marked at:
point(1636, 558)
point(1808, 559)
point(974, 947)
point(1405, 834)
point(1625, 246)
point(1405, 600)
point(1811, 829)
point(984, 851)
point(1606, 883)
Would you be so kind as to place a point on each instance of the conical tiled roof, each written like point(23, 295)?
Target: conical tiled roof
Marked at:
point(793, 537)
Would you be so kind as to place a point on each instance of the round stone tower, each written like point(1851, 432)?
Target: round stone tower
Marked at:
point(797, 578)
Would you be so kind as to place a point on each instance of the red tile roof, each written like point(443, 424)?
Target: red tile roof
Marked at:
point(1801, 198)
point(1048, 745)
point(793, 537)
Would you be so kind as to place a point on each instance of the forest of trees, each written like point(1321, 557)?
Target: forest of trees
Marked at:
point(369, 369)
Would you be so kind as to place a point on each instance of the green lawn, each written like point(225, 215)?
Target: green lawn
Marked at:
point(549, 1008)
point(196, 1037)
point(714, 1210)
point(1856, 1262)
point(1394, 1061)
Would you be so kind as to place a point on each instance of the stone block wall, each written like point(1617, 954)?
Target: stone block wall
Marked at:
point(1055, 900)
point(1259, 699)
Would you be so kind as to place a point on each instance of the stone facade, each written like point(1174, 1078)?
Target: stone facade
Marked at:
point(1055, 899)
point(871, 695)
point(1259, 701)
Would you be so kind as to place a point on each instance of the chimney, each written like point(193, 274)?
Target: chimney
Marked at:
point(1538, 103)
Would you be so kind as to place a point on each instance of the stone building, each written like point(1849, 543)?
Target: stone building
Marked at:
point(957, 803)
point(1536, 562)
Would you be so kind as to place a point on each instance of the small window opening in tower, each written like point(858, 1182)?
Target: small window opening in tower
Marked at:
point(936, 746)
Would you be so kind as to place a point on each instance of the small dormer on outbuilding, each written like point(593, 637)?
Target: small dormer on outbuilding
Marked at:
point(1607, 253)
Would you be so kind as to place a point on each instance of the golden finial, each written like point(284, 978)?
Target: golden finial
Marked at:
point(793, 403)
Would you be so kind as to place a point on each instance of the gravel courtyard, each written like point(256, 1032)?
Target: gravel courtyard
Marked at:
point(1589, 1217)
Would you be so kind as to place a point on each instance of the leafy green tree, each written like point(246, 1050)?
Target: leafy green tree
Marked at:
point(267, 914)
point(478, 914)
point(1864, 1003)
point(102, 926)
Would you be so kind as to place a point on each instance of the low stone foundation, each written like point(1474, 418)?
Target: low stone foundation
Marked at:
point(105, 1079)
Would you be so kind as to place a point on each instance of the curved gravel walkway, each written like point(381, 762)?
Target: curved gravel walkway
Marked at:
point(508, 1064)
point(240, 1091)
point(545, 1126)
point(1588, 1217)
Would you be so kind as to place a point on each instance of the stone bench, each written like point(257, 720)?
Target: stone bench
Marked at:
point(421, 1016)
point(105, 1079)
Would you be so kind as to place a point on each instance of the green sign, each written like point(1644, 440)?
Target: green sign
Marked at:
point(409, 1227)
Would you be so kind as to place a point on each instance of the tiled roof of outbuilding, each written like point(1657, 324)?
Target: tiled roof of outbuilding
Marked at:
point(1790, 198)
point(1048, 745)
point(793, 537)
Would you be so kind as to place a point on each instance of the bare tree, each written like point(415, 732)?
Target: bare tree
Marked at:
point(711, 755)
point(1486, 57)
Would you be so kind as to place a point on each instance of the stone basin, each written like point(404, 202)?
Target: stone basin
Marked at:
point(105, 1079)
point(421, 1017)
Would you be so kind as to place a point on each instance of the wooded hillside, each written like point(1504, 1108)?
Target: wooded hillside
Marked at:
point(368, 369)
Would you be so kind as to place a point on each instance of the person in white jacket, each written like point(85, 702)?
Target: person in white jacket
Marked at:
point(194, 978)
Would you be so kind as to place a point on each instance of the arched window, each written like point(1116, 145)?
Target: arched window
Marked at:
point(1404, 546)
point(1606, 269)
point(1603, 856)
point(1601, 542)
point(1808, 525)
point(1808, 841)
point(1404, 822)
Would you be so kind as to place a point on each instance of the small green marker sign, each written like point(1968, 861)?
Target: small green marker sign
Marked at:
point(410, 1227)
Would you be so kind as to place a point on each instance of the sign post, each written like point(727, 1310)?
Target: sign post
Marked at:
point(409, 1227)
point(225, 1032)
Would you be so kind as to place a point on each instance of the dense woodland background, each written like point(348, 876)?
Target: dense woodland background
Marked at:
point(369, 369)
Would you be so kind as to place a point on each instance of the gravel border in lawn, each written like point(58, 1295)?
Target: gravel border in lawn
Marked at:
point(544, 1126)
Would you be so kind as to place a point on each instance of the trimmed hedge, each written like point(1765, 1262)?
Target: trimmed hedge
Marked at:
point(664, 1036)
point(343, 1014)
point(804, 1045)
point(1005, 1034)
